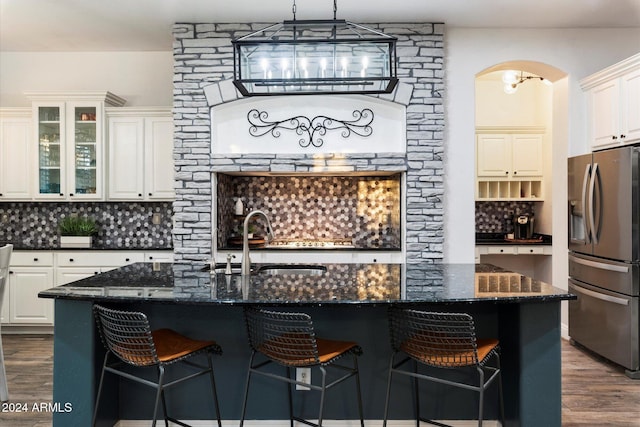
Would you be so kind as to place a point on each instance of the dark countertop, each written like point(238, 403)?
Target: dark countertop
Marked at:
point(356, 284)
point(500, 239)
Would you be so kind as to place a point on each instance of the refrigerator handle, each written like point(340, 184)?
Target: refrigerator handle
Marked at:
point(586, 211)
point(598, 295)
point(600, 265)
point(592, 206)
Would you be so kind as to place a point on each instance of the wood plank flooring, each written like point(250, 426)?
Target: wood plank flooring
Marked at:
point(595, 393)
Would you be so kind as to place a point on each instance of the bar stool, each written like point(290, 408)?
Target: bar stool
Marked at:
point(129, 341)
point(289, 340)
point(5, 258)
point(444, 341)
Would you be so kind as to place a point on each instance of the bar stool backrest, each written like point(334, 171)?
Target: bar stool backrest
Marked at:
point(286, 338)
point(443, 340)
point(5, 259)
point(127, 335)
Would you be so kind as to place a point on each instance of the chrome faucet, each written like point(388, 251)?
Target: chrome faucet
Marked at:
point(246, 261)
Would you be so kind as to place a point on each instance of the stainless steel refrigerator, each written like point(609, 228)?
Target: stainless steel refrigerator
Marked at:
point(604, 257)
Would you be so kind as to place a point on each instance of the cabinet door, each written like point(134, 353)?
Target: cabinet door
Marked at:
point(50, 129)
point(84, 143)
point(66, 275)
point(605, 114)
point(159, 170)
point(15, 158)
point(126, 158)
point(493, 155)
point(25, 306)
point(526, 155)
point(630, 95)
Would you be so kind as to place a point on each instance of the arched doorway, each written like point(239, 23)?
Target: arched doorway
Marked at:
point(542, 108)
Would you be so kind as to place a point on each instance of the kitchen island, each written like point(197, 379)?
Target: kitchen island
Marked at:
point(347, 301)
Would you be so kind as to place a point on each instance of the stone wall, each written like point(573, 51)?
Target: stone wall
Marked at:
point(203, 70)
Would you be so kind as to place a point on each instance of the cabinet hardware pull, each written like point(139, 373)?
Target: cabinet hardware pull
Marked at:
point(10, 272)
point(623, 136)
point(139, 194)
point(1, 194)
point(151, 194)
point(35, 259)
point(506, 173)
point(614, 137)
point(61, 194)
point(70, 259)
point(126, 259)
point(71, 194)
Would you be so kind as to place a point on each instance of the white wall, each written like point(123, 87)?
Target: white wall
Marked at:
point(142, 78)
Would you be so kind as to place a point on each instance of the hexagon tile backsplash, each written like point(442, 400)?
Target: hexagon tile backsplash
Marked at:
point(363, 209)
point(496, 217)
point(121, 225)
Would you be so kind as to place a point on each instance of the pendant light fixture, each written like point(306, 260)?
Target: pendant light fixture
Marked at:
point(310, 57)
point(511, 80)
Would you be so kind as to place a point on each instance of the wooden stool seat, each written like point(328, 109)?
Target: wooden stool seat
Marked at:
point(171, 346)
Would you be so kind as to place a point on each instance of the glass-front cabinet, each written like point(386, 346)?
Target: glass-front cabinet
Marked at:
point(50, 133)
point(70, 138)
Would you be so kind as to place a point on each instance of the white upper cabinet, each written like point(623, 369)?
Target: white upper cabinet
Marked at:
point(15, 155)
point(509, 155)
point(69, 135)
point(613, 97)
point(140, 154)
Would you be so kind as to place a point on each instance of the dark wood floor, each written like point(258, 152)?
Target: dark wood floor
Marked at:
point(594, 392)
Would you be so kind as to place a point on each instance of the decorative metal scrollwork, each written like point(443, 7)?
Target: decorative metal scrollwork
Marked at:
point(311, 130)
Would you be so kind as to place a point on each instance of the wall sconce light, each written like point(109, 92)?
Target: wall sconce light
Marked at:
point(511, 80)
point(310, 57)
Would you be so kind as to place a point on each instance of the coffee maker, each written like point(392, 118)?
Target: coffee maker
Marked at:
point(523, 226)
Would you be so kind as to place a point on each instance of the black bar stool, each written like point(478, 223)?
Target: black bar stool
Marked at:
point(289, 340)
point(443, 341)
point(130, 342)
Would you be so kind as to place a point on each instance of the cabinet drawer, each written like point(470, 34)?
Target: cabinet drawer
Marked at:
point(530, 250)
point(97, 259)
point(158, 256)
point(32, 259)
point(507, 250)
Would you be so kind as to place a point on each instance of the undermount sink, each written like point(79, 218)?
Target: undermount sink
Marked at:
point(284, 269)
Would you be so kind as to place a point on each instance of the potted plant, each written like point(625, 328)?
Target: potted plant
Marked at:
point(77, 232)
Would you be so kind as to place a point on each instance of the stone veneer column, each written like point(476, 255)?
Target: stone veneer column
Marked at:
point(203, 69)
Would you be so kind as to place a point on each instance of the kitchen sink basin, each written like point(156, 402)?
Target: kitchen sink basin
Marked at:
point(284, 269)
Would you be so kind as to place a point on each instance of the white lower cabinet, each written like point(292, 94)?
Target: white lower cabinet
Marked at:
point(29, 273)
point(34, 271)
point(24, 285)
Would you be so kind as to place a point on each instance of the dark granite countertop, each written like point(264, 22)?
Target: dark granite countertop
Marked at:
point(500, 239)
point(356, 284)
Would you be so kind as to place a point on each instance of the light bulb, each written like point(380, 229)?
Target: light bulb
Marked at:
point(510, 89)
point(510, 77)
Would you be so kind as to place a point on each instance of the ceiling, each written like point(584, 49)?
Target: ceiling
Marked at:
point(145, 25)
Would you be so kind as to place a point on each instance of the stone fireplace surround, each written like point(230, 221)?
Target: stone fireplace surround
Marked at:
point(203, 68)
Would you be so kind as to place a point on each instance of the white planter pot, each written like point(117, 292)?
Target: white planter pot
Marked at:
point(75, 241)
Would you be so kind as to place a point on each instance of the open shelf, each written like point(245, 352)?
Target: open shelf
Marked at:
point(509, 190)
